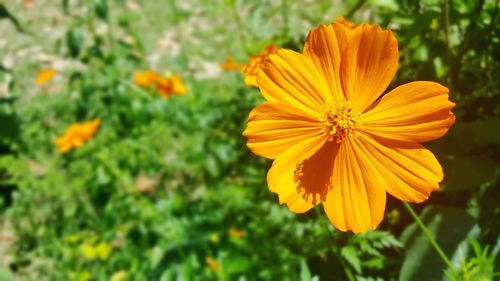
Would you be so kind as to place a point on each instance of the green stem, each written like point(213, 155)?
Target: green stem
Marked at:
point(427, 233)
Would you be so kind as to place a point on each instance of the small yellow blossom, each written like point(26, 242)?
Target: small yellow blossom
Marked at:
point(212, 264)
point(251, 69)
point(236, 233)
point(101, 251)
point(119, 276)
point(230, 65)
point(44, 76)
point(76, 135)
point(166, 87)
point(214, 238)
point(88, 251)
point(178, 87)
point(146, 78)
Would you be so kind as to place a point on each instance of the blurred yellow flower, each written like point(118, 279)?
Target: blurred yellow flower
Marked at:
point(230, 65)
point(88, 251)
point(101, 251)
point(76, 135)
point(146, 78)
point(214, 238)
point(251, 69)
point(212, 264)
point(119, 276)
point(236, 233)
point(166, 87)
point(44, 76)
point(335, 138)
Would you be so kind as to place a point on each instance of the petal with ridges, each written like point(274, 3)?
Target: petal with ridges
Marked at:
point(322, 46)
point(272, 128)
point(290, 77)
point(412, 172)
point(368, 64)
point(281, 177)
point(417, 112)
point(356, 201)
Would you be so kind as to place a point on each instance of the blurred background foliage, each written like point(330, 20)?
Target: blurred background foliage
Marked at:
point(166, 190)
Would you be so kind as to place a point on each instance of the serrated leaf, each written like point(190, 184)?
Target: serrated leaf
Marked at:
point(350, 254)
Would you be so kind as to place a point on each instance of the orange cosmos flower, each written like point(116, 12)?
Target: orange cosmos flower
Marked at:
point(236, 233)
point(334, 138)
point(166, 87)
point(76, 135)
point(251, 69)
point(146, 78)
point(230, 65)
point(44, 76)
point(212, 264)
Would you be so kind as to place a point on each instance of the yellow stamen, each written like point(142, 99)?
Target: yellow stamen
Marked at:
point(340, 121)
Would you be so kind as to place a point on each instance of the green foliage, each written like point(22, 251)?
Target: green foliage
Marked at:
point(161, 188)
point(478, 266)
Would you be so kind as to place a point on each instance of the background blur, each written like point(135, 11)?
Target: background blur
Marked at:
point(167, 190)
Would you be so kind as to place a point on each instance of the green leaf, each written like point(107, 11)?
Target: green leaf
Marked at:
point(74, 42)
point(305, 273)
point(101, 9)
point(350, 254)
point(449, 226)
point(6, 14)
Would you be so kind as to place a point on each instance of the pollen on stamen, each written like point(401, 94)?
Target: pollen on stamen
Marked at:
point(340, 121)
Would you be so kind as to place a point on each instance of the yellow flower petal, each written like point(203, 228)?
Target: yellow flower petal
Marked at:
point(418, 111)
point(368, 64)
point(324, 46)
point(281, 178)
point(357, 200)
point(290, 77)
point(230, 65)
point(410, 170)
point(251, 69)
point(274, 127)
point(76, 135)
point(44, 76)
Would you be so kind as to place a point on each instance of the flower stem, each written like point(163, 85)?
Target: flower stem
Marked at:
point(427, 233)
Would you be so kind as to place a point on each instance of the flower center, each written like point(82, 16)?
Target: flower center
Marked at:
point(340, 121)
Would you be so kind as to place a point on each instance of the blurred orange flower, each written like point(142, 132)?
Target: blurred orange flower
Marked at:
point(76, 135)
point(230, 65)
point(44, 76)
point(236, 233)
point(213, 264)
point(334, 138)
point(166, 87)
point(251, 69)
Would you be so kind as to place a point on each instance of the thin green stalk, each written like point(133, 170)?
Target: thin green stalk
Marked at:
point(285, 11)
point(427, 233)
